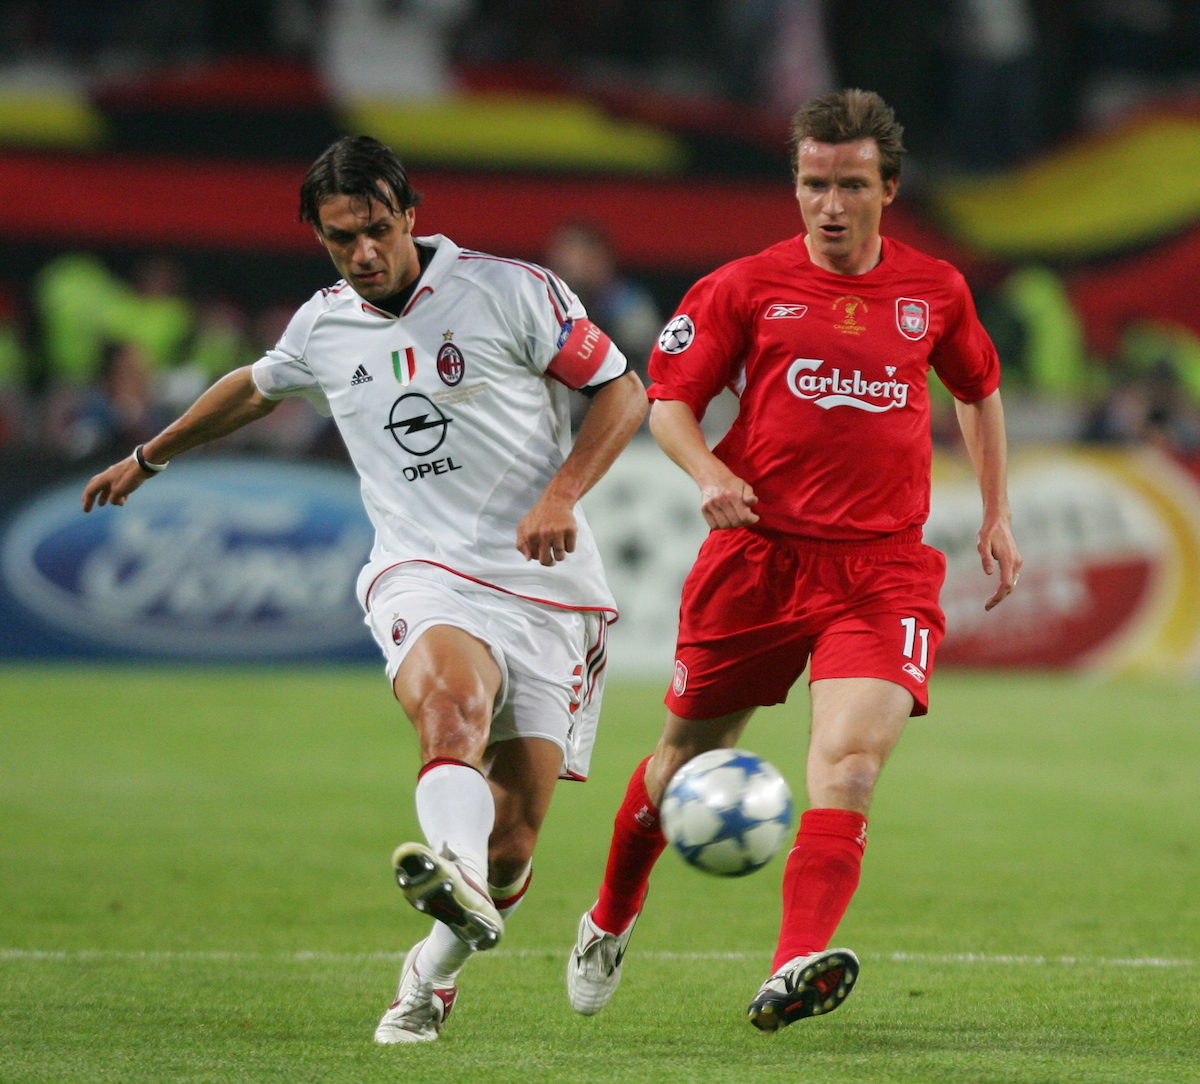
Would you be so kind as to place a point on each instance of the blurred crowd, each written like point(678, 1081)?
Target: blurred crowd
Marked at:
point(980, 83)
point(92, 362)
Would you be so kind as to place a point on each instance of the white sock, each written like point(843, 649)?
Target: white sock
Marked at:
point(456, 810)
point(513, 893)
point(444, 955)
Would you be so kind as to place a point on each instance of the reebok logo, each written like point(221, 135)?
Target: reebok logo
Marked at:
point(785, 312)
point(837, 390)
point(361, 376)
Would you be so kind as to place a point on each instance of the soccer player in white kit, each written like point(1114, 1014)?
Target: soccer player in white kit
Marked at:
point(447, 372)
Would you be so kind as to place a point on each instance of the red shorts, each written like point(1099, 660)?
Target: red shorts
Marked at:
point(756, 606)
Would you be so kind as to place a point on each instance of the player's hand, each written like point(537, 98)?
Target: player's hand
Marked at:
point(114, 485)
point(547, 533)
point(998, 548)
point(727, 502)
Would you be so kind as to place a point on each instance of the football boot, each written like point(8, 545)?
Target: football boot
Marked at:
point(419, 1011)
point(594, 966)
point(441, 887)
point(804, 986)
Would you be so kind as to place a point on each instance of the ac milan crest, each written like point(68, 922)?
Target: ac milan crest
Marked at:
point(450, 364)
point(912, 317)
point(399, 631)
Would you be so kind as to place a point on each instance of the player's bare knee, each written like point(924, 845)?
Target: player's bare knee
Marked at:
point(453, 723)
point(509, 853)
point(852, 779)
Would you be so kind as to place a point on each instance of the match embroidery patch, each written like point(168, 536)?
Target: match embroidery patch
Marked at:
point(679, 683)
point(399, 631)
point(852, 309)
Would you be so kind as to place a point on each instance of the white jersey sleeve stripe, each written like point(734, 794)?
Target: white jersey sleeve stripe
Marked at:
point(557, 302)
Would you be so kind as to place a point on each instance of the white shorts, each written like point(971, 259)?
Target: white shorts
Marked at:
point(551, 660)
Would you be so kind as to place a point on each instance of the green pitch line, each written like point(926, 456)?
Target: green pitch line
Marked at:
point(195, 886)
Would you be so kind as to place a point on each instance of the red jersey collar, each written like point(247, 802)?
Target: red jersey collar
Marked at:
point(885, 253)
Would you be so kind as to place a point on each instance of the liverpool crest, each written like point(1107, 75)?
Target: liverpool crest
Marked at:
point(912, 317)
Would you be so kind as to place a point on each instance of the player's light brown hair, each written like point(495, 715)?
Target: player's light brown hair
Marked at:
point(846, 116)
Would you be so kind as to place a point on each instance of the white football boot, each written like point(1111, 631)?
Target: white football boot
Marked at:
point(804, 986)
point(439, 886)
point(594, 966)
point(419, 1011)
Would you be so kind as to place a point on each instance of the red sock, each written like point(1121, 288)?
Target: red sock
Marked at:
point(819, 880)
point(636, 844)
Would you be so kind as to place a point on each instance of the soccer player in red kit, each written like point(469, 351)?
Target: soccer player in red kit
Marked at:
point(816, 499)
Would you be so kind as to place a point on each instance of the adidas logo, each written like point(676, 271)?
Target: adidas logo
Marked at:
point(361, 376)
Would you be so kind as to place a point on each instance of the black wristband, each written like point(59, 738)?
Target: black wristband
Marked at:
point(149, 468)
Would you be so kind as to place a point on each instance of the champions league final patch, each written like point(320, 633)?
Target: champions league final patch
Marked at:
point(450, 361)
point(399, 631)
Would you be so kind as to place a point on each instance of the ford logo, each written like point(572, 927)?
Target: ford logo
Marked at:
point(220, 558)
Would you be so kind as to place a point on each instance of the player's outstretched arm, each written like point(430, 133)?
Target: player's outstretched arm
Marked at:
point(547, 533)
point(233, 401)
point(725, 500)
point(982, 426)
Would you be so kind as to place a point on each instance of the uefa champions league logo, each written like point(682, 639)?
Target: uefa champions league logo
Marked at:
point(677, 336)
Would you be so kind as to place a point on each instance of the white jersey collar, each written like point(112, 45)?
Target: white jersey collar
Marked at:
point(444, 258)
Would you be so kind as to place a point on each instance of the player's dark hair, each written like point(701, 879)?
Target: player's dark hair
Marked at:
point(846, 116)
point(355, 166)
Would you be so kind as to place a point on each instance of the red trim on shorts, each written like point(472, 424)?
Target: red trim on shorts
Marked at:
point(484, 583)
point(574, 777)
point(437, 762)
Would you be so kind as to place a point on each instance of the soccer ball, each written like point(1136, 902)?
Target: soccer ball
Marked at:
point(727, 812)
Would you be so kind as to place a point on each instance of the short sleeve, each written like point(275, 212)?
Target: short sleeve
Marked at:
point(702, 346)
point(548, 310)
point(964, 357)
point(283, 370)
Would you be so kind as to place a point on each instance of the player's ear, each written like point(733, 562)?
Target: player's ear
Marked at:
point(890, 187)
point(410, 218)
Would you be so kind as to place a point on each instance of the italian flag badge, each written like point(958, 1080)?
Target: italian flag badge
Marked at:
point(405, 367)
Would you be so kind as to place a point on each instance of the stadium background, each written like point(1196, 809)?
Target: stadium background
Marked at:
point(149, 158)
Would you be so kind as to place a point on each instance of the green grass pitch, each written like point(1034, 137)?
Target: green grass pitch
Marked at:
point(194, 886)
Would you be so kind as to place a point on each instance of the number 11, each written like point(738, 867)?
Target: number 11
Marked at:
point(911, 632)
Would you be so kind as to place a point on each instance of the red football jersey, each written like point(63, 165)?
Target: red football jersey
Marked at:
point(831, 371)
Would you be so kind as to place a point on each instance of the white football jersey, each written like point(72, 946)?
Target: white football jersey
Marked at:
point(455, 414)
